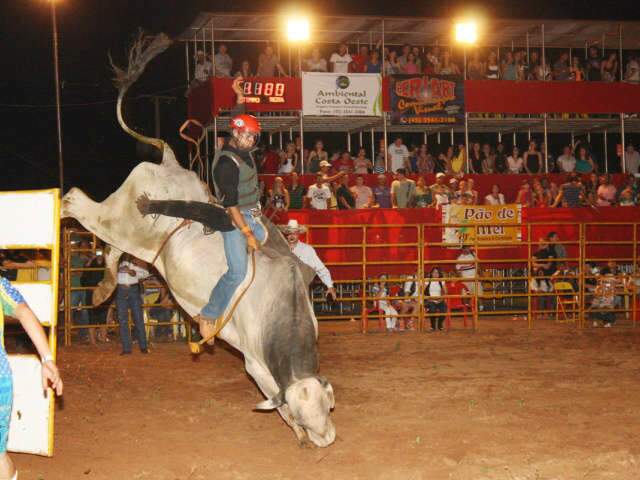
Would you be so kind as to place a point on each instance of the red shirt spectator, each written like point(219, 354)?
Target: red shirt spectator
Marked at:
point(359, 61)
point(344, 163)
point(271, 162)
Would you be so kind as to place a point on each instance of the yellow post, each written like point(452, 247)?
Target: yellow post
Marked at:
point(363, 310)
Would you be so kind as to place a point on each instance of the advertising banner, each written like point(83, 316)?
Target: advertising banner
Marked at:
point(426, 99)
point(341, 94)
point(491, 223)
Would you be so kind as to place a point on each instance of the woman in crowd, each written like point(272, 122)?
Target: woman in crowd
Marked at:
point(423, 197)
point(493, 68)
point(576, 72)
point(488, 159)
point(532, 159)
point(500, 159)
point(446, 159)
point(411, 67)
point(495, 197)
point(278, 196)
point(344, 163)
point(409, 306)
point(381, 293)
point(591, 188)
point(374, 65)
point(475, 158)
point(609, 68)
point(317, 155)
point(245, 70)
point(288, 159)
point(470, 193)
point(458, 163)
point(391, 64)
point(584, 162)
point(316, 63)
point(447, 67)
point(541, 197)
point(434, 290)
point(475, 67)
point(379, 162)
point(515, 163)
point(424, 161)
point(361, 164)
point(524, 196)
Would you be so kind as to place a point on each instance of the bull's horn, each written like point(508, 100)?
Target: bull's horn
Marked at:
point(271, 403)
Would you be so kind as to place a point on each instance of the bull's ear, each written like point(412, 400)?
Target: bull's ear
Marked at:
point(329, 390)
point(271, 403)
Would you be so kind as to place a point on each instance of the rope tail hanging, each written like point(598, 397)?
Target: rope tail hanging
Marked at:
point(195, 142)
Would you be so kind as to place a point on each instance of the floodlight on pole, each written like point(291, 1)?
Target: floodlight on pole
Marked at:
point(298, 29)
point(467, 32)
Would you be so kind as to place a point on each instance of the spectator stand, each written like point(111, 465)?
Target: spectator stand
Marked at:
point(516, 108)
point(73, 236)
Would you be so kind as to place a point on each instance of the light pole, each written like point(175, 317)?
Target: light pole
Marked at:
point(56, 71)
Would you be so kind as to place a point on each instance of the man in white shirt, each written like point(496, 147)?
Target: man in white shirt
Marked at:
point(307, 254)
point(340, 60)
point(222, 62)
point(566, 161)
point(467, 269)
point(319, 194)
point(128, 296)
point(203, 67)
point(632, 160)
point(399, 155)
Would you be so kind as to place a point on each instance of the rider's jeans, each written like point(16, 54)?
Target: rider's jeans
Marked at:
point(235, 249)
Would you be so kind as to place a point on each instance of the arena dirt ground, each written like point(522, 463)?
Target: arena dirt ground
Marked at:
point(503, 403)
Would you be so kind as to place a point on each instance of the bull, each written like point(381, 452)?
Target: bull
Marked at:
point(273, 325)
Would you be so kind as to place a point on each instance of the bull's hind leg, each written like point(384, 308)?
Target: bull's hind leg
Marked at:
point(270, 389)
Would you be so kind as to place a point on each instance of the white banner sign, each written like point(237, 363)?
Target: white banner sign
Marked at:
point(342, 94)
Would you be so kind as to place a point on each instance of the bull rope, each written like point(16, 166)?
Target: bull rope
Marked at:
point(184, 223)
point(197, 347)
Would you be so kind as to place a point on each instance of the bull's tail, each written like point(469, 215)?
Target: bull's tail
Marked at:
point(143, 50)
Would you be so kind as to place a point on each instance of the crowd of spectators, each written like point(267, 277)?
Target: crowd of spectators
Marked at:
point(341, 184)
point(482, 64)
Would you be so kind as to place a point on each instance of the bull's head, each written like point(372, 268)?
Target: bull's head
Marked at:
point(309, 402)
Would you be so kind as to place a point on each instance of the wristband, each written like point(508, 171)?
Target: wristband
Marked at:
point(47, 358)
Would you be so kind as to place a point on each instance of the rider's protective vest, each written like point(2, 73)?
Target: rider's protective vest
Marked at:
point(248, 191)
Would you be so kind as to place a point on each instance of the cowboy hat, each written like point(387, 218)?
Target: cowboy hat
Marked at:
point(292, 227)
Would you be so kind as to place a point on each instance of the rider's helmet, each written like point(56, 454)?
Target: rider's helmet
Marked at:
point(246, 130)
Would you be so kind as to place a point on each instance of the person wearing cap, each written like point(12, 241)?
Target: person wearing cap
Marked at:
point(325, 168)
point(307, 254)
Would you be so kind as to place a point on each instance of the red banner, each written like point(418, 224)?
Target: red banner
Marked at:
point(503, 96)
point(262, 94)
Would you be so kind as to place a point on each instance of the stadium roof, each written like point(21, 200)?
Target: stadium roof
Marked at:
point(418, 31)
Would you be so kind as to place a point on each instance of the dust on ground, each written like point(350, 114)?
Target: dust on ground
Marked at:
point(502, 403)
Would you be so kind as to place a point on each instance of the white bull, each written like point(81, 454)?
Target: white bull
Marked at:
point(273, 326)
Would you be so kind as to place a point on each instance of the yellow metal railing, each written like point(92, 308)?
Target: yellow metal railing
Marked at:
point(505, 280)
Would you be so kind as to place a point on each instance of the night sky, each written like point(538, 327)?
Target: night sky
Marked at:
point(98, 155)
